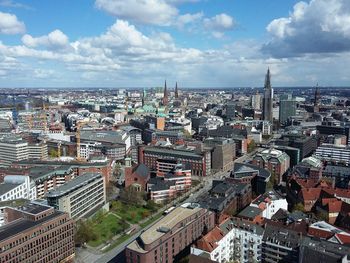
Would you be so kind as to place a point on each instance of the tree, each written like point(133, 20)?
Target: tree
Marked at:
point(84, 232)
point(299, 207)
point(131, 196)
point(251, 146)
point(53, 153)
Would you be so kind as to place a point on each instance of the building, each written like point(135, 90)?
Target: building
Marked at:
point(280, 244)
point(137, 176)
point(222, 153)
point(287, 109)
point(12, 149)
point(306, 144)
point(270, 203)
point(268, 99)
point(277, 162)
point(230, 110)
point(80, 196)
point(227, 198)
point(17, 187)
point(339, 154)
point(165, 100)
point(234, 240)
point(168, 237)
point(255, 101)
point(36, 233)
point(199, 163)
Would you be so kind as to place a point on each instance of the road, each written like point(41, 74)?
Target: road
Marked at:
point(117, 254)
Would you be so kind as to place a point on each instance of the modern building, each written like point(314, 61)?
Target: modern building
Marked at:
point(268, 99)
point(256, 101)
point(17, 187)
point(222, 153)
point(12, 149)
point(79, 196)
point(306, 144)
point(234, 240)
point(230, 110)
point(35, 233)
point(333, 153)
point(168, 237)
point(287, 109)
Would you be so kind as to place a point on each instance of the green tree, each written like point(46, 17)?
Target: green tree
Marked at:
point(84, 232)
point(251, 146)
point(53, 153)
point(299, 207)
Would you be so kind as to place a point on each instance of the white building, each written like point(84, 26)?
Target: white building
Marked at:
point(12, 149)
point(234, 240)
point(17, 187)
point(333, 153)
point(270, 203)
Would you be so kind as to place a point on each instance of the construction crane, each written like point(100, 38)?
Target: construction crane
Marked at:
point(79, 124)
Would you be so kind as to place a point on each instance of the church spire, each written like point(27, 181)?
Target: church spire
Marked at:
point(165, 96)
point(176, 91)
point(268, 79)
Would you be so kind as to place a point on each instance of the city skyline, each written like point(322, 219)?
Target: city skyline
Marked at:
point(199, 43)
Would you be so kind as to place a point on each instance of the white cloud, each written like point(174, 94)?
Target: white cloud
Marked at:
point(156, 12)
point(9, 24)
point(10, 3)
point(219, 24)
point(186, 19)
point(55, 39)
point(320, 26)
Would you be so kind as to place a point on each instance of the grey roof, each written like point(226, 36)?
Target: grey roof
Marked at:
point(279, 234)
point(73, 184)
point(158, 184)
point(323, 251)
point(6, 187)
point(241, 224)
point(142, 170)
point(250, 212)
point(172, 152)
point(101, 136)
point(246, 168)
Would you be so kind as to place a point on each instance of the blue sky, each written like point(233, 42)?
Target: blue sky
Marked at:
point(199, 43)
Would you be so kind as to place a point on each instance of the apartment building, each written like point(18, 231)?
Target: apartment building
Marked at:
point(79, 196)
point(234, 240)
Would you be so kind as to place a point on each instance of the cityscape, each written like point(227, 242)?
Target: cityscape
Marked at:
point(126, 147)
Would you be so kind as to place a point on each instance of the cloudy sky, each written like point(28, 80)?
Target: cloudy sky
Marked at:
point(199, 43)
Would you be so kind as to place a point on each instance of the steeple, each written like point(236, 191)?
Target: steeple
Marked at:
point(268, 80)
point(176, 91)
point(165, 96)
point(317, 96)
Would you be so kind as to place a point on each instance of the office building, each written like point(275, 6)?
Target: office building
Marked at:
point(256, 100)
point(168, 237)
point(12, 148)
point(287, 109)
point(333, 153)
point(268, 99)
point(17, 187)
point(80, 196)
point(35, 233)
point(222, 153)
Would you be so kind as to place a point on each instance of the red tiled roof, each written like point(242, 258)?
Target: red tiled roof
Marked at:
point(208, 242)
point(343, 238)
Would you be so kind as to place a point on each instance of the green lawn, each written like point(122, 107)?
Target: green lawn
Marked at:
point(106, 226)
point(130, 213)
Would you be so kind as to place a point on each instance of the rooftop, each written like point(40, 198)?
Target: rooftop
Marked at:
point(168, 222)
point(73, 184)
point(6, 187)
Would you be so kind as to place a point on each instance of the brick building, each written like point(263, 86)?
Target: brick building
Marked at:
point(36, 233)
point(164, 240)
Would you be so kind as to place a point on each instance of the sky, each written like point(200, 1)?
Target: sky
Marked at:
point(198, 43)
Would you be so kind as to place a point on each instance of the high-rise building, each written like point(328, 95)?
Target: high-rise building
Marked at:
point(287, 109)
point(165, 96)
point(230, 110)
point(268, 98)
point(256, 101)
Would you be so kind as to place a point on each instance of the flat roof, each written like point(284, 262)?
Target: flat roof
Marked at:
point(168, 222)
point(73, 184)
